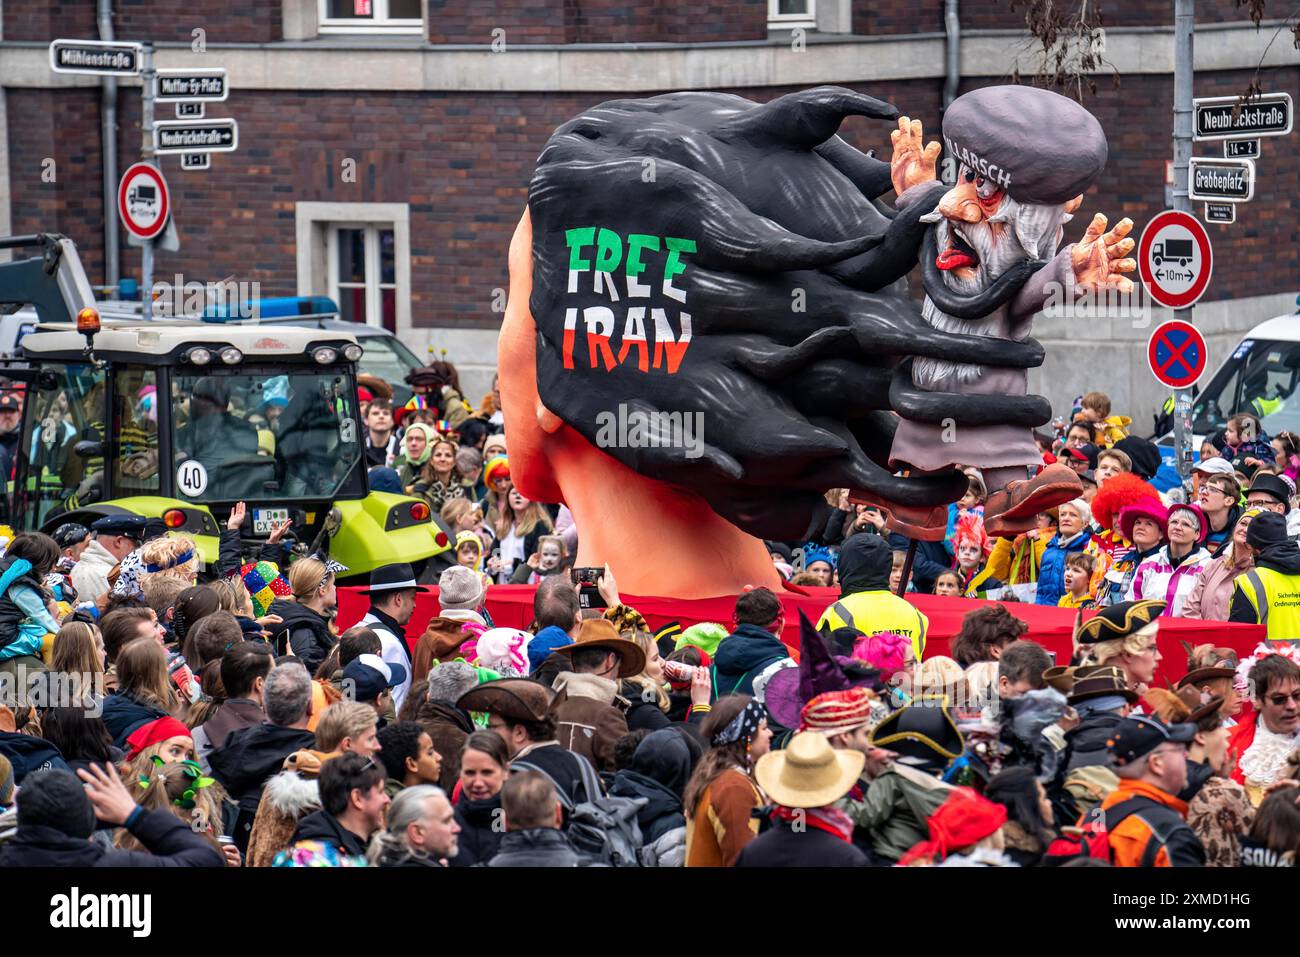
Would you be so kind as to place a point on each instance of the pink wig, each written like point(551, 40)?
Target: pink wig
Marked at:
point(886, 652)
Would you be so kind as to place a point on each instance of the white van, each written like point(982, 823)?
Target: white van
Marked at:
point(1261, 376)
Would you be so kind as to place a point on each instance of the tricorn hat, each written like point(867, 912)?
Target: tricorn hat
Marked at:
point(923, 734)
point(1119, 621)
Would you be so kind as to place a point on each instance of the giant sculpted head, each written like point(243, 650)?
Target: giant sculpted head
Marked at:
point(706, 303)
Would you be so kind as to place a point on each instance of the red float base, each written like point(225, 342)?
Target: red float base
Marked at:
point(511, 606)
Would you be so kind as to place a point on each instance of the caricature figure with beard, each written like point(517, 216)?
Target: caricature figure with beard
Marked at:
point(1025, 156)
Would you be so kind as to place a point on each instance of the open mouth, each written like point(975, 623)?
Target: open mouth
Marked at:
point(959, 254)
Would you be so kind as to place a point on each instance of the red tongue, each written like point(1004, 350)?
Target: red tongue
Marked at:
point(953, 259)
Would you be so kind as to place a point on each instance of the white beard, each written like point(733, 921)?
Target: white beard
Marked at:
point(1029, 231)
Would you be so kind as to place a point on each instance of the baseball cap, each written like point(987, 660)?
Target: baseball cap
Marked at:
point(1216, 465)
point(1137, 736)
point(1087, 453)
point(10, 403)
point(69, 534)
point(132, 526)
point(371, 676)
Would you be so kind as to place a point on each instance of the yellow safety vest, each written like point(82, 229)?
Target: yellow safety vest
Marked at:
point(1276, 600)
point(878, 612)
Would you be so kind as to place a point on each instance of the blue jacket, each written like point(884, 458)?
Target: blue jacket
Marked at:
point(1051, 573)
point(28, 753)
point(123, 715)
point(742, 656)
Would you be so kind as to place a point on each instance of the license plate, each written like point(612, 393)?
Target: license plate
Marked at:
point(265, 519)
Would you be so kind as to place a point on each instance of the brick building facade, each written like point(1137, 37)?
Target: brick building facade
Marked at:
point(454, 146)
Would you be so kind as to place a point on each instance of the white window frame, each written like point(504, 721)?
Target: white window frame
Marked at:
point(786, 21)
point(316, 229)
point(372, 282)
point(380, 22)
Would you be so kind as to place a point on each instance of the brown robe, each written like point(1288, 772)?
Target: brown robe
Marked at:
point(925, 446)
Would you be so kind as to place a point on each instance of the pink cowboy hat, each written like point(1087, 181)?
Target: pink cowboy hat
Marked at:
point(1143, 509)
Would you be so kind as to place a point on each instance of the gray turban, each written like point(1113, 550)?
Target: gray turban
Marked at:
point(1039, 146)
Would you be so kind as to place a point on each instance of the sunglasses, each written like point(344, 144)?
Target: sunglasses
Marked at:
point(1280, 700)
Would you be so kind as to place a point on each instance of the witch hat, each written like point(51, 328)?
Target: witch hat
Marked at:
point(791, 688)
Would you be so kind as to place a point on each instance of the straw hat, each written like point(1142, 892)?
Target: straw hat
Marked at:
point(809, 773)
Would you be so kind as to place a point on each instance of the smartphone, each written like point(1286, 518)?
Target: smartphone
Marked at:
point(587, 580)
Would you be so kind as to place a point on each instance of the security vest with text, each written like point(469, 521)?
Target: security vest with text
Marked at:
point(878, 612)
point(1276, 600)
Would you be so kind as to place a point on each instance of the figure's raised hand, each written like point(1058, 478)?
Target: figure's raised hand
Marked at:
point(913, 161)
point(1100, 258)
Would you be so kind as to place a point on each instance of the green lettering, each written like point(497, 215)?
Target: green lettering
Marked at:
point(674, 266)
point(609, 250)
point(635, 243)
point(576, 239)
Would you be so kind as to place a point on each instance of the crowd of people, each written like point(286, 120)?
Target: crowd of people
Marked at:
point(1134, 533)
point(150, 719)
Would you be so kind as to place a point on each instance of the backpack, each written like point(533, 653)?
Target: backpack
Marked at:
point(603, 829)
point(1091, 838)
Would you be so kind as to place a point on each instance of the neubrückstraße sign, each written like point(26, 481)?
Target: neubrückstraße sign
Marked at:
point(100, 57)
point(195, 136)
point(1221, 117)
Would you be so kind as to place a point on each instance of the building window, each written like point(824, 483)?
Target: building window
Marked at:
point(371, 16)
point(358, 254)
point(362, 277)
point(787, 14)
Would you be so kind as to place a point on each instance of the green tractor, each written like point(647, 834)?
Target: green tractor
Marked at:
point(178, 420)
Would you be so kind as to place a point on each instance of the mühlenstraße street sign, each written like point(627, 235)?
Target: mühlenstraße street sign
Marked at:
point(98, 57)
point(195, 136)
point(1218, 117)
point(1220, 180)
point(207, 86)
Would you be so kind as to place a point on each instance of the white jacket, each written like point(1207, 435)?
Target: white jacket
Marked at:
point(393, 650)
point(90, 574)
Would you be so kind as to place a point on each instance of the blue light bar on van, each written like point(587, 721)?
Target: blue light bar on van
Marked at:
point(276, 307)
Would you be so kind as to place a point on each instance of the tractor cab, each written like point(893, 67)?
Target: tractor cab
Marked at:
point(179, 420)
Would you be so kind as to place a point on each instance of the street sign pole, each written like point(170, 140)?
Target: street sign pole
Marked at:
point(146, 153)
point(1184, 28)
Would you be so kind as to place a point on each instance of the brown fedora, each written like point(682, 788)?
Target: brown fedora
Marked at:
point(1206, 663)
point(520, 699)
point(1200, 704)
point(1099, 681)
point(1060, 677)
point(601, 633)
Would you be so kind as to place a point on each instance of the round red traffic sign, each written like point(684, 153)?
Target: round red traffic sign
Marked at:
point(1175, 259)
point(143, 202)
point(1177, 354)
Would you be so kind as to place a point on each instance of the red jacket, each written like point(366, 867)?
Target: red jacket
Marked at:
point(1242, 737)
